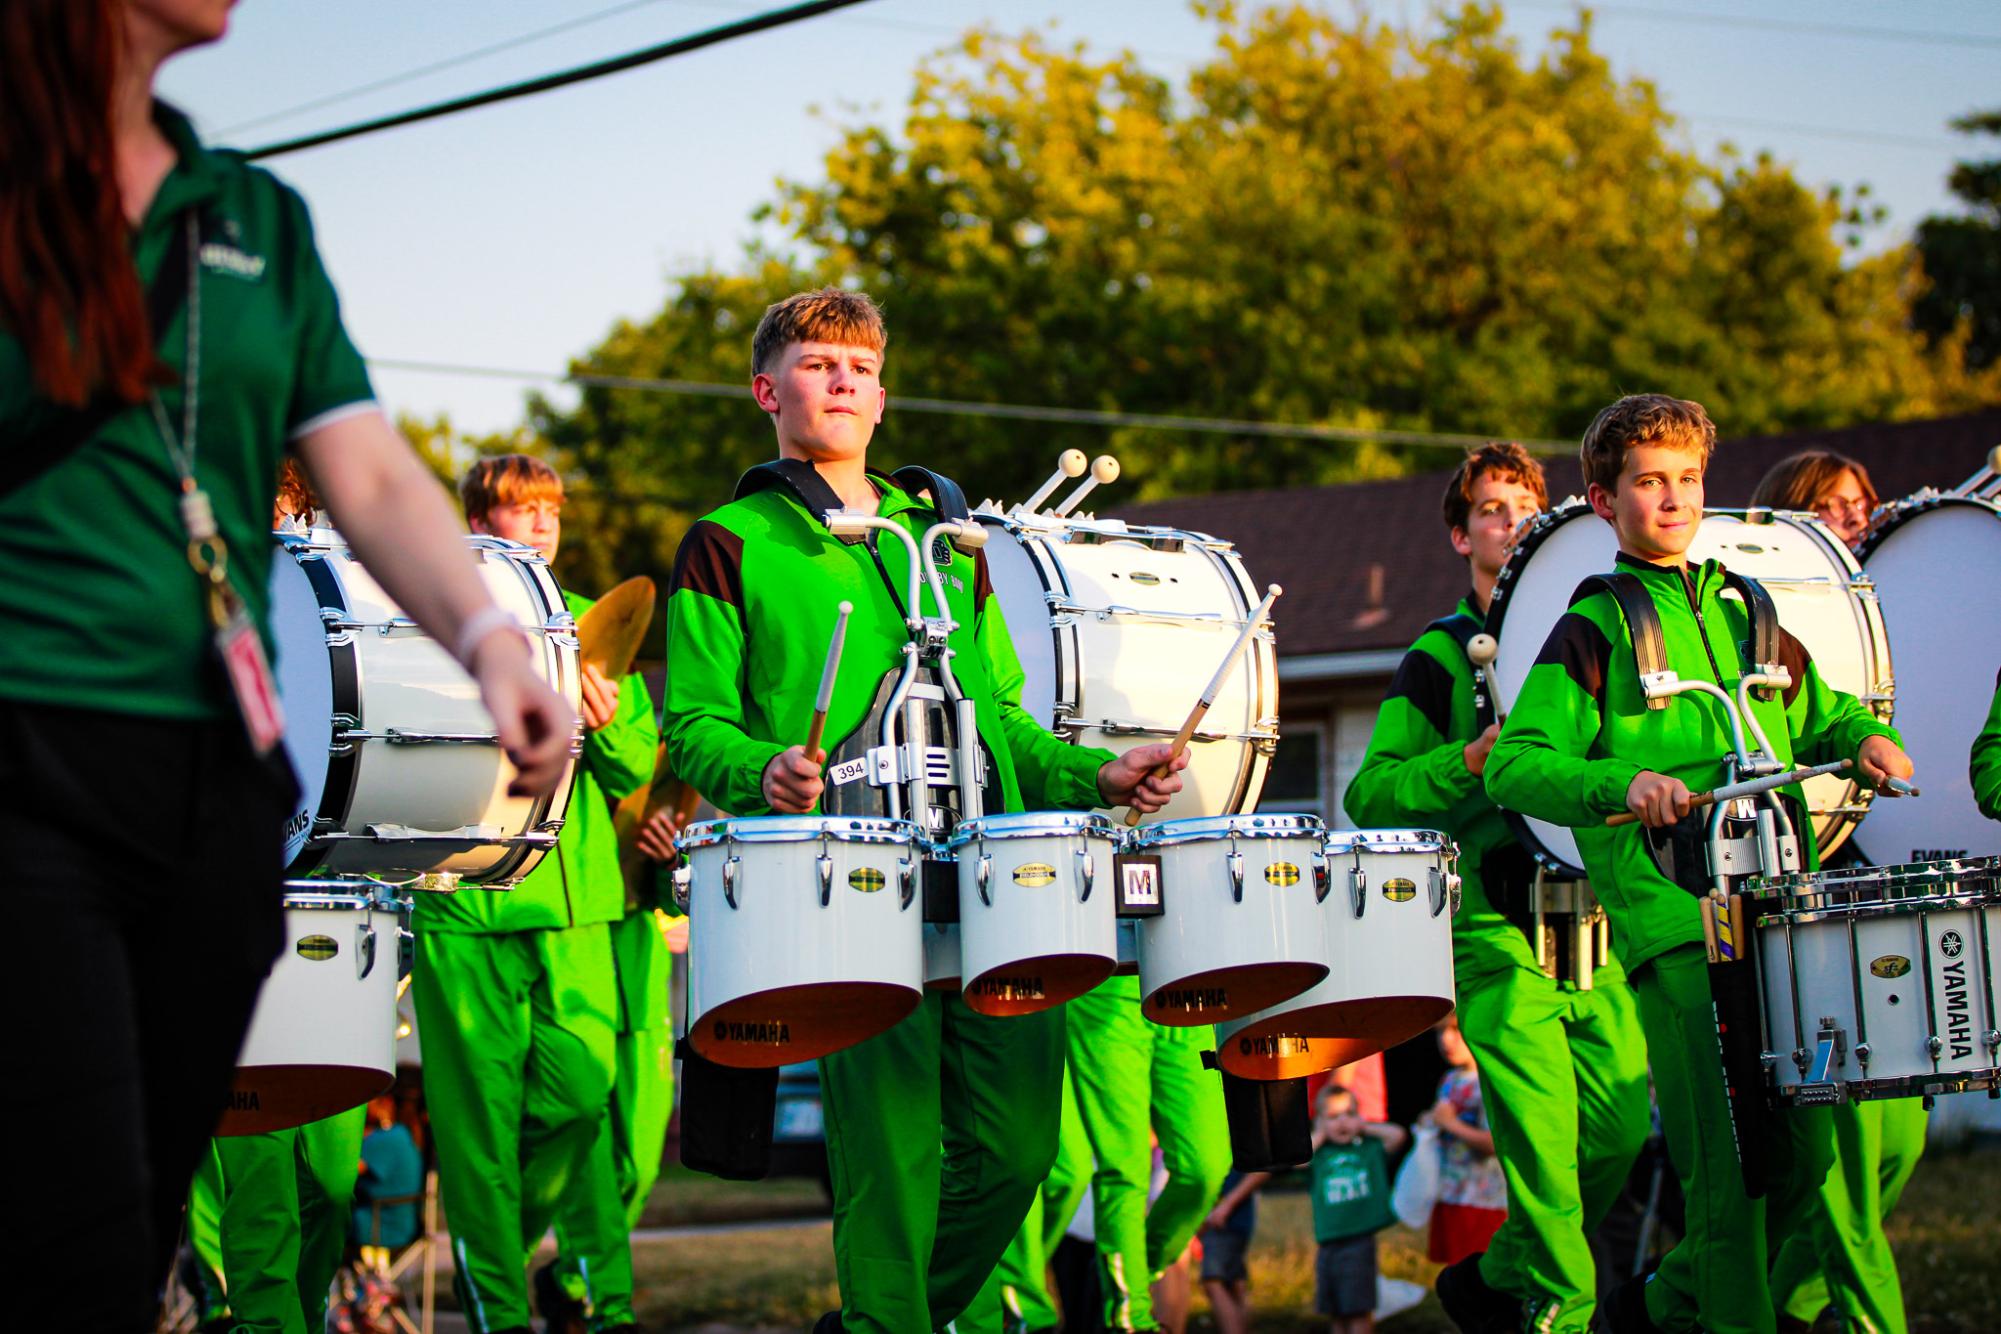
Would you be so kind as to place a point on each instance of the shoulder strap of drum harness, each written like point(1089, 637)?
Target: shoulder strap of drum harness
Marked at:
point(909, 756)
point(1462, 628)
point(1682, 852)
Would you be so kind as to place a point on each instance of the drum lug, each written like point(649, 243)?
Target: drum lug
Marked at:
point(683, 879)
point(1087, 869)
point(406, 952)
point(364, 950)
point(1323, 880)
point(1438, 890)
point(981, 875)
point(1358, 888)
point(825, 866)
point(1236, 862)
point(729, 879)
point(906, 882)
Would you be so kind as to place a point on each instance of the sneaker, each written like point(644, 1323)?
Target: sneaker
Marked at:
point(561, 1313)
point(1626, 1313)
point(1473, 1305)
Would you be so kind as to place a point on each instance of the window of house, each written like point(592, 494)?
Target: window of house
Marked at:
point(1294, 782)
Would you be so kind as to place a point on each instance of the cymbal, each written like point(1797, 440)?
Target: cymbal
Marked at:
point(609, 634)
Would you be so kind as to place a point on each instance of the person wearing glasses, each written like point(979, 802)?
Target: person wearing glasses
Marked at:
point(1833, 487)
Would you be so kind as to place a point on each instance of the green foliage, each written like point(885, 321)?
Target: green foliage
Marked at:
point(1962, 256)
point(1331, 221)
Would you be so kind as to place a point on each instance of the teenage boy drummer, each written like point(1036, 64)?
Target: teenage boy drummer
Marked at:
point(919, 1219)
point(1564, 1069)
point(1581, 745)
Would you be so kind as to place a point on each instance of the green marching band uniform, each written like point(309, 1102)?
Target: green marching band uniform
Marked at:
point(1987, 759)
point(517, 1000)
point(1551, 1056)
point(1580, 733)
point(1015, 1298)
point(920, 1218)
point(269, 1216)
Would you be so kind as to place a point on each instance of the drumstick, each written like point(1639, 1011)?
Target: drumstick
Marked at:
point(1481, 650)
point(1209, 693)
point(827, 674)
point(1749, 788)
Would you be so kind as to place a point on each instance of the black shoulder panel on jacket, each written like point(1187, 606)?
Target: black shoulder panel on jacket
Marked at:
point(710, 561)
point(1578, 646)
point(1425, 682)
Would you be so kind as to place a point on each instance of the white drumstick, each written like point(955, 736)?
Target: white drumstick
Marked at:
point(1213, 689)
point(1481, 650)
point(828, 674)
point(1070, 463)
point(1104, 468)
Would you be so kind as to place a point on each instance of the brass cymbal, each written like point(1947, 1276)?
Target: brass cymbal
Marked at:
point(609, 634)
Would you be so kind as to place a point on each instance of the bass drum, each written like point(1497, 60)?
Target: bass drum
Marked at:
point(1936, 560)
point(1819, 590)
point(400, 771)
point(1119, 629)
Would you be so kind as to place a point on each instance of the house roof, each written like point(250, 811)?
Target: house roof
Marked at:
point(1366, 565)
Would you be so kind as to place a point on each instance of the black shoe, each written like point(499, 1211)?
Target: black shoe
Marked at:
point(1626, 1313)
point(1472, 1305)
point(561, 1313)
point(829, 1323)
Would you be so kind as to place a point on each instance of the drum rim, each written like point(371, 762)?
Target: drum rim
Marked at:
point(1389, 840)
point(316, 902)
point(1888, 1086)
point(1030, 824)
point(1897, 513)
point(1815, 883)
point(797, 829)
point(1202, 828)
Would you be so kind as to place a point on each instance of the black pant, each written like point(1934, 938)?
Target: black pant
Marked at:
point(141, 857)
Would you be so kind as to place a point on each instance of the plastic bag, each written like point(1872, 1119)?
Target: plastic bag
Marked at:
point(1416, 1189)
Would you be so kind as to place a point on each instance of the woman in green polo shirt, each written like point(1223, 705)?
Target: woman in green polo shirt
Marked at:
point(166, 334)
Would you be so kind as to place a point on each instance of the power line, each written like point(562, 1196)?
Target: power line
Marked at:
point(1828, 131)
point(1709, 19)
point(436, 66)
point(953, 407)
point(679, 46)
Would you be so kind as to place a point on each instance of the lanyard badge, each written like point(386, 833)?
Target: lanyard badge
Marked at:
point(236, 640)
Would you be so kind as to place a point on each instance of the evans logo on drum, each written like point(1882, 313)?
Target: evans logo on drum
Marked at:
point(1955, 1001)
point(1035, 875)
point(1281, 874)
point(1937, 854)
point(1890, 965)
point(317, 948)
point(1399, 890)
point(866, 880)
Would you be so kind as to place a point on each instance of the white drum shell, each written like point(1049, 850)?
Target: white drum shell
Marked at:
point(1937, 566)
point(1023, 915)
point(1119, 629)
point(1924, 969)
point(1815, 585)
point(335, 1014)
point(351, 665)
point(1207, 928)
point(941, 955)
point(778, 935)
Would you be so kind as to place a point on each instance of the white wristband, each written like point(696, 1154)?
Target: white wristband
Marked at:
point(478, 626)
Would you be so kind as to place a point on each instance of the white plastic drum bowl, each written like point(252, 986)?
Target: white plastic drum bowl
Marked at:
point(803, 934)
point(941, 956)
point(1239, 931)
point(1038, 920)
point(1388, 921)
point(1119, 628)
point(1814, 583)
point(1936, 561)
point(399, 765)
point(323, 1036)
point(1878, 982)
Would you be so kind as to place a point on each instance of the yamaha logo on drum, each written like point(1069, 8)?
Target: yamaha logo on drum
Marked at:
point(765, 1032)
point(1281, 874)
point(1034, 875)
point(245, 1100)
point(317, 948)
point(1274, 1046)
point(1399, 890)
point(1950, 945)
point(866, 880)
point(1022, 988)
point(1955, 1001)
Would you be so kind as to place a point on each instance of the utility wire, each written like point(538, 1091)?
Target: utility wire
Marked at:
point(953, 407)
point(1710, 19)
point(449, 62)
point(679, 46)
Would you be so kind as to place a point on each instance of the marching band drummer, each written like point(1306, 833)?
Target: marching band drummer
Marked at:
point(169, 334)
point(1846, 1261)
point(517, 998)
point(1986, 767)
point(918, 1224)
point(1563, 1067)
point(1581, 745)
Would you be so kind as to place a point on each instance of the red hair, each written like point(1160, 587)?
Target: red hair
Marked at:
point(68, 288)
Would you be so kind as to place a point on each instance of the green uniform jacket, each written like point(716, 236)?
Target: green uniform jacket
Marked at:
point(755, 591)
point(1987, 759)
point(1415, 776)
point(1580, 732)
point(579, 883)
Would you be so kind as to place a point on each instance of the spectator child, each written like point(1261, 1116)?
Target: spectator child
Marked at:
point(1351, 1203)
point(1226, 1239)
point(1472, 1193)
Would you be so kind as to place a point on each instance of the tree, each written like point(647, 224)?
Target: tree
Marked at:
point(1962, 256)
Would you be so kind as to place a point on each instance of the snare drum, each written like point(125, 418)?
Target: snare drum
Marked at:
point(399, 766)
point(1816, 586)
point(1879, 982)
point(1118, 628)
point(1240, 930)
point(804, 934)
point(323, 1036)
point(1037, 914)
point(941, 956)
point(1387, 914)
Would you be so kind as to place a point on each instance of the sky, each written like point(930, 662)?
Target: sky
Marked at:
point(514, 236)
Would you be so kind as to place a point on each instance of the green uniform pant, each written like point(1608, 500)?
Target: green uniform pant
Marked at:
point(1015, 1298)
point(270, 1214)
point(1564, 1076)
point(1846, 1262)
point(939, 1134)
point(518, 1040)
point(596, 1217)
point(1715, 1280)
point(1124, 1066)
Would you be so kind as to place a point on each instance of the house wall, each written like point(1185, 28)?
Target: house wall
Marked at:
point(1324, 726)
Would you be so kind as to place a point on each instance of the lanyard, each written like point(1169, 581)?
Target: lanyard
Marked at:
point(207, 553)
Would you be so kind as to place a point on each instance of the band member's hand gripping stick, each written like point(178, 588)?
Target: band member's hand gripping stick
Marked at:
point(828, 674)
point(1213, 689)
point(1749, 788)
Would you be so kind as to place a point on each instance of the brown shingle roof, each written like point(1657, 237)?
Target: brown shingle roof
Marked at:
point(1366, 566)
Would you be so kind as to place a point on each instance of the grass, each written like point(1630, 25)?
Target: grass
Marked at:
point(684, 1197)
